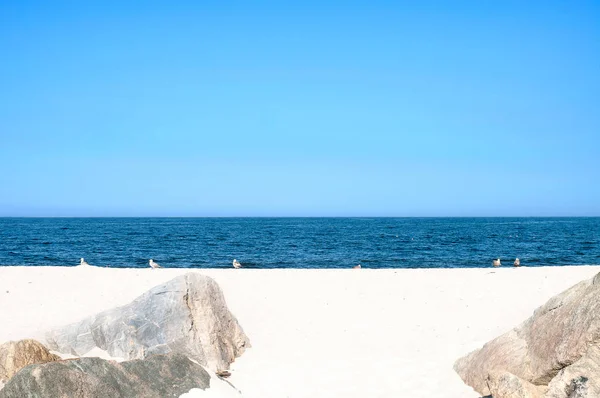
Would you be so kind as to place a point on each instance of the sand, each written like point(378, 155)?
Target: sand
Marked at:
point(317, 333)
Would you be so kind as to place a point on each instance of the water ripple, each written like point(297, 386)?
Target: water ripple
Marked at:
point(300, 242)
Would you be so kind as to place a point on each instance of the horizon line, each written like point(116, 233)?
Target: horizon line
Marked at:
point(216, 217)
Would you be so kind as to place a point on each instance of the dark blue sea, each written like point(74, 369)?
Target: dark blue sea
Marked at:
point(299, 242)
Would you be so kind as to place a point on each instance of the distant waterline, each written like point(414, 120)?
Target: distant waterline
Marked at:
point(300, 242)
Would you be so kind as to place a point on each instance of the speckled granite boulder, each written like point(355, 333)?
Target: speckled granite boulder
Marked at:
point(507, 385)
point(558, 348)
point(580, 379)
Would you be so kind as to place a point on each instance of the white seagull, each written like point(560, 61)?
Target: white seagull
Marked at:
point(153, 264)
point(496, 263)
point(517, 262)
point(82, 262)
point(236, 264)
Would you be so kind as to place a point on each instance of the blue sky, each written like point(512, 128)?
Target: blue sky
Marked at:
point(308, 109)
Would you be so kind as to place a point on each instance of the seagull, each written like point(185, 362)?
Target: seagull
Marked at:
point(357, 266)
point(236, 264)
point(496, 263)
point(517, 263)
point(153, 264)
point(82, 262)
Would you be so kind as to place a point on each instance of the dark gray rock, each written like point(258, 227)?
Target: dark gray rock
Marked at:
point(578, 388)
point(159, 376)
point(187, 315)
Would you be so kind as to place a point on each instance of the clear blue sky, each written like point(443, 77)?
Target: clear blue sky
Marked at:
point(475, 108)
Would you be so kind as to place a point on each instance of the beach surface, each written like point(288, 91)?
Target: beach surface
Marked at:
point(317, 333)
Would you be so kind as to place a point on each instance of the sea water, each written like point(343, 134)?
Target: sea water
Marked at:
point(300, 242)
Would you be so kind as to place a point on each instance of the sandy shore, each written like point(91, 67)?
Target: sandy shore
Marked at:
point(317, 333)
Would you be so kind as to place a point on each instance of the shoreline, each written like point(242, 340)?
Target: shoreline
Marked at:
point(253, 268)
point(317, 332)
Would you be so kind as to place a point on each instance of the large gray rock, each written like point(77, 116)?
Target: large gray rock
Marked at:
point(15, 355)
point(186, 315)
point(159, 376)
point(559, 334)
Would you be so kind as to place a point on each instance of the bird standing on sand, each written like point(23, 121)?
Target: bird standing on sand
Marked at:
point(517, 262)
point(153, 264)
point(82, 262)
point(236, 264)
point(357, 266)
point(496, 263)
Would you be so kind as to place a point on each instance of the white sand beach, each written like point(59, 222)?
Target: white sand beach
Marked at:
point(317, 333)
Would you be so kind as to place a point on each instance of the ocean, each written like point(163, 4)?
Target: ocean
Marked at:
point(299, 242)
